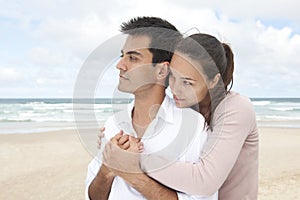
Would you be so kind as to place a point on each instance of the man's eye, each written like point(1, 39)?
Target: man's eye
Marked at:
point(132, 58)
point(121, 56)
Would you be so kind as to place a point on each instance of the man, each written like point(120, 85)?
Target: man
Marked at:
point(153, 116)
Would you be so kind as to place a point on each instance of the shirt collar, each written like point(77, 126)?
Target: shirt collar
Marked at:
point(165, 111)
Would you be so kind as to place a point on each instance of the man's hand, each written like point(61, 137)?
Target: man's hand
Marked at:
point(129, 143)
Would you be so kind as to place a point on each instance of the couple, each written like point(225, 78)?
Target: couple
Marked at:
point(204, 142)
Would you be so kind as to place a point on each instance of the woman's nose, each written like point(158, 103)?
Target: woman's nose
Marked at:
point(175, 87)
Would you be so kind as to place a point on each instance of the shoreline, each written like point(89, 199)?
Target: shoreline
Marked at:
point(60, 129)
point(53, 165)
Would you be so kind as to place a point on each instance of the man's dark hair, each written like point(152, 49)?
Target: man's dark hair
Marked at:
point(163, 35)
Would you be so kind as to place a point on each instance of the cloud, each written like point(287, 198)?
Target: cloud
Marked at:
point(9, 74)
point(264, 35)
point(268, 9)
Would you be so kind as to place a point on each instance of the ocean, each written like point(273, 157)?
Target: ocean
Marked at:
point(277, 112)
point(42, 115)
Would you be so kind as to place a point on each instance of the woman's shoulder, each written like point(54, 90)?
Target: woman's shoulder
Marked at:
point(234, 98)
point(235, 102)
point(235, 107)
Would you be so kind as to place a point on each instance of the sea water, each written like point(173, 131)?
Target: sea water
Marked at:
point(42, 115)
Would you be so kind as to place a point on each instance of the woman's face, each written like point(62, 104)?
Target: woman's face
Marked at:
point(187, 82)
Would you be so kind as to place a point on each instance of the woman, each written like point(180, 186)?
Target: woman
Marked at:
point(201, 78)
point(229, 161)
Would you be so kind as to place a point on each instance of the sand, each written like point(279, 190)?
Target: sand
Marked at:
point(279, 164)
point(53, 165)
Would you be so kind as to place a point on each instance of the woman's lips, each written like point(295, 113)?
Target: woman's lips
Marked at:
point(177, 99)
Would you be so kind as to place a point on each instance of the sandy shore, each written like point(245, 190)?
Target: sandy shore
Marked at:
point(279, 163)
point(42, 166)
point(53, 165)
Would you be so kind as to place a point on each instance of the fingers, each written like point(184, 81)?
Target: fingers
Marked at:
point(123, 140)
point(116, 138)
point(99, 144)
point(101, 133)
point(127, 142)
point(119, 135)
point(102, 129)
point(125, 146)
point(135, 145)
point(100, 136)
point(140, 147)
point(134, 139)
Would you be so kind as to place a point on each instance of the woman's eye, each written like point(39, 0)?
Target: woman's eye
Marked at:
point(187, 83)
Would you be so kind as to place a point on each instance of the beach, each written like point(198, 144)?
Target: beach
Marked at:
point(53, 165)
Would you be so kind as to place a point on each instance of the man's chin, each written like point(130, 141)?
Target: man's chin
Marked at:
point(124, 89)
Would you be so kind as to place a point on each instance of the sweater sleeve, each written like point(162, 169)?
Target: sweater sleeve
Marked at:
point(233, 121)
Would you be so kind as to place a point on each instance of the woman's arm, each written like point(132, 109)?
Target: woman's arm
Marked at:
point(232, 123)
point(125, 164)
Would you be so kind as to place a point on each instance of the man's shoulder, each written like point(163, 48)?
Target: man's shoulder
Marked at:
point(188, 118)
point(187, 113)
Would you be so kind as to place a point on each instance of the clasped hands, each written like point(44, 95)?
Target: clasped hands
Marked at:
point(122, 154)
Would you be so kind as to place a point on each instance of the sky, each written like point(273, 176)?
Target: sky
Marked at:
point(44, 44)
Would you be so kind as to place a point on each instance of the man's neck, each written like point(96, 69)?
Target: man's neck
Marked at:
point(146, 106)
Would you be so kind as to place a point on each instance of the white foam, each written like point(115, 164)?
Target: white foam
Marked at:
point(261, 103)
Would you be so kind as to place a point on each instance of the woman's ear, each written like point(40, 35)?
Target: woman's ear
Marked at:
point(163, 70)
point(212, 83)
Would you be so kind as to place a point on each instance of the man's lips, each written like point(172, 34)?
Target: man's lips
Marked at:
point(123, 77)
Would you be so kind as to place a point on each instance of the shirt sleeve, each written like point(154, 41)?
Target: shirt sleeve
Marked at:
point(233, 120)
point(93, 169)
point(96, 163)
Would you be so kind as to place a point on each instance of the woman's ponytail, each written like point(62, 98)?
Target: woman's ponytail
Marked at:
point(227, 76)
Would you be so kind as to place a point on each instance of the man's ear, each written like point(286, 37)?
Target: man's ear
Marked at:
point(162, 70)
point(212, 83)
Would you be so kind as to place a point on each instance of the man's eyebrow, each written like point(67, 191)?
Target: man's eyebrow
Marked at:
point(132, 52)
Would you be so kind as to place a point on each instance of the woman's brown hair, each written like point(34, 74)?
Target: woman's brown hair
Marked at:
point(214, 57)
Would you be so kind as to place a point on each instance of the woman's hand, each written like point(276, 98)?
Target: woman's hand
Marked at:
point(121, 161)
point(100, 136)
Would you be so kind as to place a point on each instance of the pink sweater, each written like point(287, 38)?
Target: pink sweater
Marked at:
point(229, 161)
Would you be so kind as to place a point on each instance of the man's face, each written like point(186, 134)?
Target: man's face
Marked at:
point(137, 72)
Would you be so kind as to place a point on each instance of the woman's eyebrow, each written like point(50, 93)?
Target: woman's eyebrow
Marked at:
point(188, 78)
point(185, 78)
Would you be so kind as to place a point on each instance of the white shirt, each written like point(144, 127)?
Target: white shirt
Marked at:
point(174, 133)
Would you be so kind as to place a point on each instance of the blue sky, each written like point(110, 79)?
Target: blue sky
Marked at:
point(43, 45)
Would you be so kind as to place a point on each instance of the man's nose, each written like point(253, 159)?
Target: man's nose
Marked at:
point(121, 65)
